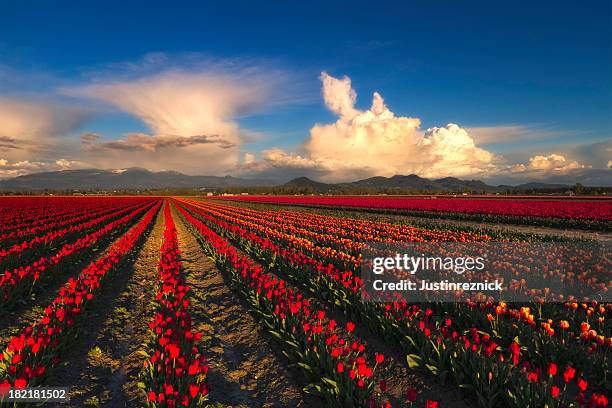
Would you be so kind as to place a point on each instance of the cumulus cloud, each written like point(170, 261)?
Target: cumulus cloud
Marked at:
point(551, 168)
point(23, 167)
point(554, 168)
point(192, 109)
point(339, 95)
point(552, 162)
point(377, 142)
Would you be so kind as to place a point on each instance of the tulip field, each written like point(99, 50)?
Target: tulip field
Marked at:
point(588, 213)
point(248, 301)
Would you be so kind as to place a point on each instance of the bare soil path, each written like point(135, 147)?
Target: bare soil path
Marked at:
point(31, 307)
point(398, 376)
point(103, 366)
point(245, 371)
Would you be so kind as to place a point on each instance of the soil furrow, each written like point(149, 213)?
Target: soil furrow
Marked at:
point(103, 365)
point(397, 375)
point(13, 320)
point(244, 369)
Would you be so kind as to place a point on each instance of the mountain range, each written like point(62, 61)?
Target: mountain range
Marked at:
point(143, 179)
point(131, 178)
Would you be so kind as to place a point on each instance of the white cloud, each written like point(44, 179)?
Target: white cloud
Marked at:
point(64, 164)
point(376, 142)
point(192, 108)
point(249, 158)
point(25, 120)
point(192, 115)
point(339, 96)
point(23, 167)
point(185, 103)
point(548, 164)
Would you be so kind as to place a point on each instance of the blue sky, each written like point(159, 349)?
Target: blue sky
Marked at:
point(545, 67)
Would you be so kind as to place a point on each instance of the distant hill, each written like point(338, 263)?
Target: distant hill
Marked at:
point(131, 178)
point(305, 182)
point(136, 178)
point(411, 182)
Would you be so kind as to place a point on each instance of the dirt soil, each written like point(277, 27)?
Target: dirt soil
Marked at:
point(395, 370)
point(31, 307)
point(103, 365)
point(245, 370)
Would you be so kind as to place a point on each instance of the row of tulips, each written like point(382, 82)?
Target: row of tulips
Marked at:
point(23, 279)
point(332, 358)
point(24, 212)
point(585, 348)
point(433, 341)
point(592, 214)
point(506, 318)
point(37, 348)
point(514, 255)
point(327, 252)
point(30, 249)
point(174, 373)
point(343, 233)
point(57, 221)
point(363, 230)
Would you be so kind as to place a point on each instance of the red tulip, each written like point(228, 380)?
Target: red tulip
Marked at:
point(411, 394)
point(554, 391)
point(152, 396)
point(582, 384)
point(569, 373)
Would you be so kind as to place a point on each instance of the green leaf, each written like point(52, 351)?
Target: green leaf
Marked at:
point(413, 360)
point(305, 367)
point(432, 369)
point(331, 382)
point(276, 334)
point(292, 344)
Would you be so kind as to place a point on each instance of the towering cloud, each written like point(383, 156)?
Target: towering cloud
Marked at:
point(377, 142)
point(339, 95)
point(191, 116)
point(184, 103)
